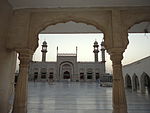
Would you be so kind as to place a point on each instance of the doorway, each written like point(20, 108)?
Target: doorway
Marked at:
point(66, 75)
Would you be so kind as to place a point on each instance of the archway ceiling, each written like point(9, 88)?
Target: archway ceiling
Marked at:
point(72, 27)
point(17, 4)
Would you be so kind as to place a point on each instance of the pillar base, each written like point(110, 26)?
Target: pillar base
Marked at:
point(120, 109)
point(20, 109)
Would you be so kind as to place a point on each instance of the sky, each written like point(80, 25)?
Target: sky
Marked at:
point(138, 48)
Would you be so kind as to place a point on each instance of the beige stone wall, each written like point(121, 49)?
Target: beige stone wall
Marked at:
point(7, 58)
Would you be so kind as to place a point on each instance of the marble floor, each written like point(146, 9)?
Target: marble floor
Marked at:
point(76, 97)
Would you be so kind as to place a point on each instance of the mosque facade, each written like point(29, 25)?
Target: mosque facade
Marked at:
point(67, 68)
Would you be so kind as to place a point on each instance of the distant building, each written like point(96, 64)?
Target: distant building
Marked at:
point(137, 75)
point(67, 67)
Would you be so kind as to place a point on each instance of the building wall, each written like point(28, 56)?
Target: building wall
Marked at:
point(56, 69)
point(38, 66)
point(137, 68)
point(7, 59)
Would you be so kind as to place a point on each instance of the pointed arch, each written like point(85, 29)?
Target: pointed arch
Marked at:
point(135, 82)
point(128, 82)
point(99, 19)
point(145, 83)
point(132, 17)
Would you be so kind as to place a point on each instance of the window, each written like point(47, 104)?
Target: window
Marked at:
point(51, 75)
point(43, 75)
point(97, 75)
point(81, 76)
point(89, 75)
point(66, 75)
point(35, 75)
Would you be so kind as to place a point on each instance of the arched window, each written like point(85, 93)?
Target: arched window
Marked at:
point(81, 76)
point(89, 73)
point(43, 73)
point(51, 75)
point(35, 75)
point(66, 75)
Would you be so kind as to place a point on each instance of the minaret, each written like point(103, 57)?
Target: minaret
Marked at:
point(103, 51)
point(96, 50)
point(44, 51)
point(103, 55)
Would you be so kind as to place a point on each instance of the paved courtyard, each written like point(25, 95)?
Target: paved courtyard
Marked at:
point(76, 97)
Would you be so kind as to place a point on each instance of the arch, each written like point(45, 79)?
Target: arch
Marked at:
point(66, 75)
point(138, 22)
point(40, 21)
point(135, 82)
point(128, 82)
point(132, 17)
point(69, 19)
point(65, 20)
point(89, 73)
point(65, 67)
point(145, 83)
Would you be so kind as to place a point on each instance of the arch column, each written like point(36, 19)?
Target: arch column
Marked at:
point(133, 83)
point(20, 101)
point(142, 85)
point(119, 98)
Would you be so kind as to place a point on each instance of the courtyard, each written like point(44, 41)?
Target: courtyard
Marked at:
point(79, 97)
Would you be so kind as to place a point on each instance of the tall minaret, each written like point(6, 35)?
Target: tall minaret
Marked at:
point(44, 51)
point(103, 51)
point(96, 50)
point(103, 55)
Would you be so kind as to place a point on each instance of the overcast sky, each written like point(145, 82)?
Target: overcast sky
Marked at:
point(139, 47)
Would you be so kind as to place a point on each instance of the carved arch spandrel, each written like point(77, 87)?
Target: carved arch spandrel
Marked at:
point(40, 20)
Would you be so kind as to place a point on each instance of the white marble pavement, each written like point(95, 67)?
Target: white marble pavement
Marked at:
point(76, 97)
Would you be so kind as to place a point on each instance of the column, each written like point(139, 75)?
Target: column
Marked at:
point(133, 84)
point(20, 102)
point(142, 86)
point(94, 75)
point(119, 98)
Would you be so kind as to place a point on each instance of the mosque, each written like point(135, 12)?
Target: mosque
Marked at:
point(67, 67)
point(22, 21)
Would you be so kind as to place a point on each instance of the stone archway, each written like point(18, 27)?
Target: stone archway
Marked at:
point(66, 71)
point(108, 21)
point(66, 75)
point(94, 17)
point(132, 17)
point(135, 82)
point(145, 83)
point(128, 81)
